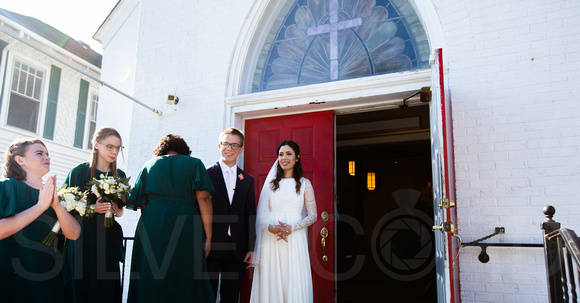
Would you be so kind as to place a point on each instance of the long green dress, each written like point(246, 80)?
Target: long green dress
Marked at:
point(93, 259)
point(29, 270)
point(168, 263)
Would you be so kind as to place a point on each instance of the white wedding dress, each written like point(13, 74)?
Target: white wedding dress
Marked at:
point(282, 269)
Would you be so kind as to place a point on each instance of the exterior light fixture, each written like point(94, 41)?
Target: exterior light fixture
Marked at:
point(351, 168)
point(171, 99)
point(371, 184)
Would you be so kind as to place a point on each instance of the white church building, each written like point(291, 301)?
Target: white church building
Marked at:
point(399, 106)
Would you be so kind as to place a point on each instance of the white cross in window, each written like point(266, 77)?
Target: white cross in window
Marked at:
point(332, 28)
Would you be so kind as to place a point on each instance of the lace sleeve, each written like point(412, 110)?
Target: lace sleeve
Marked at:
point(310, 203)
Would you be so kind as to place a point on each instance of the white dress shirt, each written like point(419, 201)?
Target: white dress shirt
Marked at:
point(229, 187)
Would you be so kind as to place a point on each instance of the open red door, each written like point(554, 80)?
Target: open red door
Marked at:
point(314, 132)
point(445, 214)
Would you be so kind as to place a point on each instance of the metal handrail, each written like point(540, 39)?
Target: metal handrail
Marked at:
point(570, 240)
point(484, 257)
point(125, 239)
point(562, 255)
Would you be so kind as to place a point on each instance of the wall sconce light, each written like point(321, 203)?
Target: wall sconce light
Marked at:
point(351, 168)
point(171, 99)
point(371, 184)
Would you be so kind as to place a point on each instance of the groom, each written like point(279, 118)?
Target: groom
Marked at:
point(234, 218)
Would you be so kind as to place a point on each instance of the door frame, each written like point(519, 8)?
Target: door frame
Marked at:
point(379, 92)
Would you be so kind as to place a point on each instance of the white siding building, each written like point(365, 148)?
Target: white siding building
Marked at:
point(47, 90)
point(500, 137)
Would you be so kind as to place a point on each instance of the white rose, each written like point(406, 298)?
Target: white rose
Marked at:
point(67, 206)
point(95, 191)
point(69, 201)
point(81, 208)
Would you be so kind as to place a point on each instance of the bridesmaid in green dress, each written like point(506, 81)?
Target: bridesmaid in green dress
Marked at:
point(173, 235)
point(30, 270)
point(93, 259)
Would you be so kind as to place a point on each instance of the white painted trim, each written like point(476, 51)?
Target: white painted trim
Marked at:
point(14, 55)
point(115, 21)
point(250, 40)
point(92, 91)
point(380, 90)
point(429, 16)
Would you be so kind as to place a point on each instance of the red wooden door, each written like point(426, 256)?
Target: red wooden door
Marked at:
point(443, 187)
point(314, 133)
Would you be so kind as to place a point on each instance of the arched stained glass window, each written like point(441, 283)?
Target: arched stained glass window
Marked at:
point(316, 41)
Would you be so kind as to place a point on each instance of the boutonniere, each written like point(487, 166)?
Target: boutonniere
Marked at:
point(241, 177)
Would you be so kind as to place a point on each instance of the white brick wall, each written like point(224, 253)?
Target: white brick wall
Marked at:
point(173, 58)
point(516, 135)
point(512, 77)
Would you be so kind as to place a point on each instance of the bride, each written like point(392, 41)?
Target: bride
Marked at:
point(285, 210)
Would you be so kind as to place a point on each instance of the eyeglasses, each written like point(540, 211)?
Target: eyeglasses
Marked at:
point(234, 146)
point(112, 148)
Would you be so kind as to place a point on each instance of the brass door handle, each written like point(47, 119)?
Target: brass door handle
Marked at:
point(324, 235)
point(446, 227)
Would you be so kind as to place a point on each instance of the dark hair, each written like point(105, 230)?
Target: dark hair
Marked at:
point(233, 131)
point(17, 148)
point(100, 135)
point(297, 170)
point(173, 143)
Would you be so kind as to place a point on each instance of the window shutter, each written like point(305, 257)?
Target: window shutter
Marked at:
point(2, 46)
point(51, 104)
point(81, 114)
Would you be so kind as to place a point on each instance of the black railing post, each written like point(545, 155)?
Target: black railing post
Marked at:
point(552, 256)
point(124, 263)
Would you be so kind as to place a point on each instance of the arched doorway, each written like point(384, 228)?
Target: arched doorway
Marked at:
point(369, 93)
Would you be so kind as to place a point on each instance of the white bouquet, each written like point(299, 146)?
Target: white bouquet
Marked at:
point(74, 201)
point(112, 189)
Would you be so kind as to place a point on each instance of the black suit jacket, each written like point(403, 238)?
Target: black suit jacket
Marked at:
point(241, 214)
